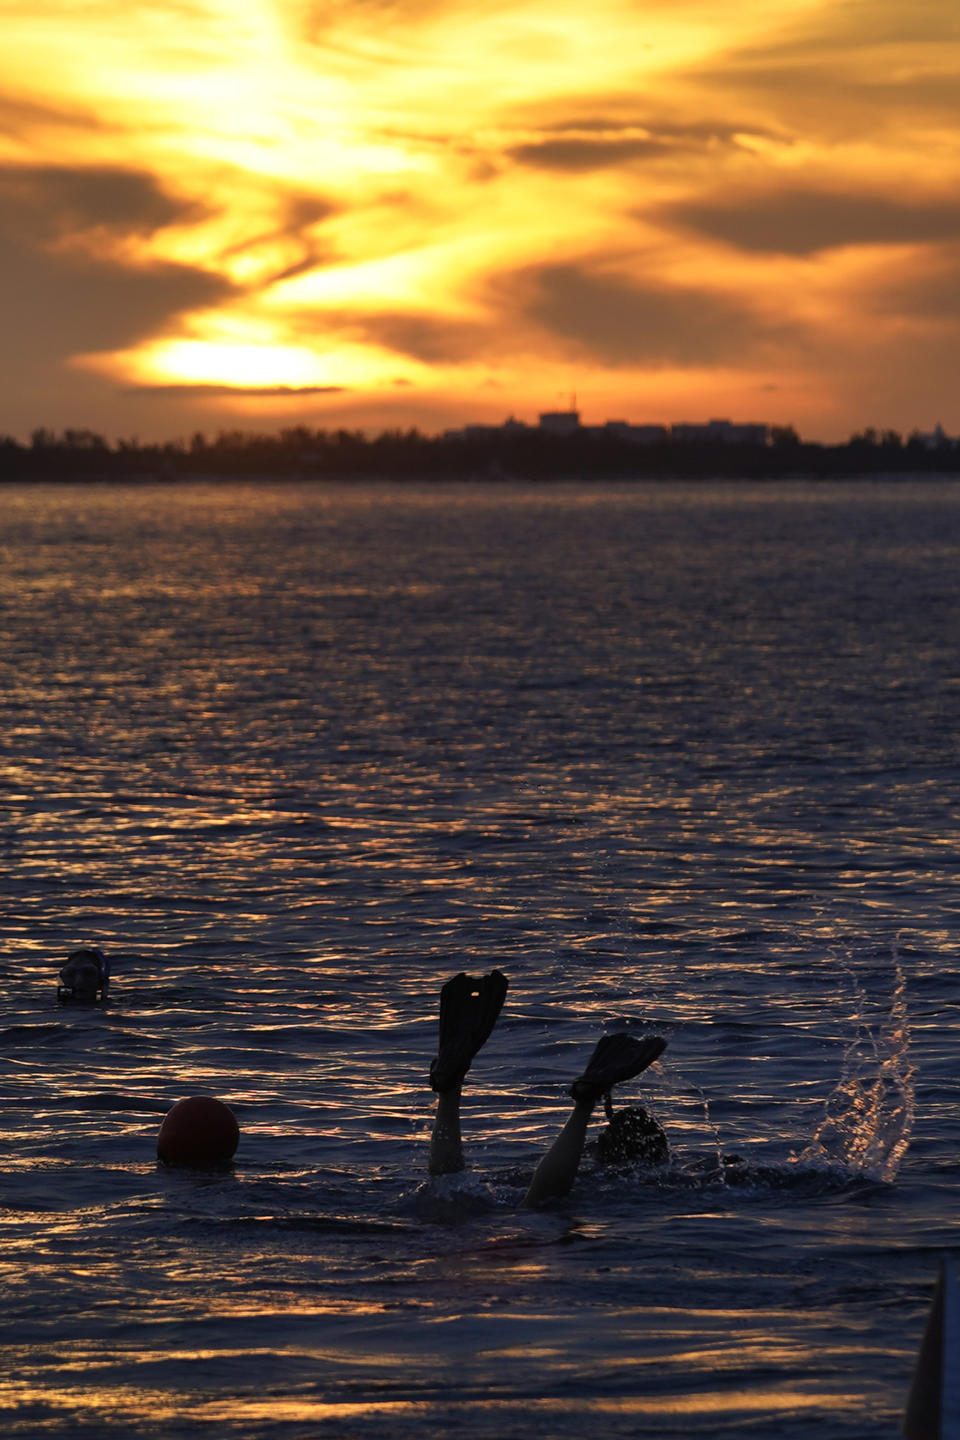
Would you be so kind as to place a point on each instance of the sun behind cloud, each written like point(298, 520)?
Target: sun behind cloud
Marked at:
point(420, 209)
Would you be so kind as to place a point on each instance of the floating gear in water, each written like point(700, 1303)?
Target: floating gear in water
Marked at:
point(85, 978)
point(201, 1133)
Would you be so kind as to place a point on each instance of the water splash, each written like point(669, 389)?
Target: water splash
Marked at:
point(700, 1101)
point(448, 1199)
point(868, 1119)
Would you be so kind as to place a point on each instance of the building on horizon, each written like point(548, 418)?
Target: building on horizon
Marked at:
point(724, 432)
point(936, 439)
point(636, 434)
point(559, 422)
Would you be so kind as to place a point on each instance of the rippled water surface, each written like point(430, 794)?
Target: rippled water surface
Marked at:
point(677, 757)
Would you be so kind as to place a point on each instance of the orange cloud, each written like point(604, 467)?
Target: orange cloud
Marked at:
point(679, 211)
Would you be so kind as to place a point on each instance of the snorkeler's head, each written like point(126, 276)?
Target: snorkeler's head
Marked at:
point(87, 955)
point(632, 1138)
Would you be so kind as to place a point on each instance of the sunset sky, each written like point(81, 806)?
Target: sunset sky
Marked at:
point(274, 212)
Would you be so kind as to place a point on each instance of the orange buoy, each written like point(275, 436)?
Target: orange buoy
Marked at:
point(201, 1132)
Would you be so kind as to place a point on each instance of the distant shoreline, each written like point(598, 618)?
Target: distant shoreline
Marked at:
point(266, 480)
point(498, 457)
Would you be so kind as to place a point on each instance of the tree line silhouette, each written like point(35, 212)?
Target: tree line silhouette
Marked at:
point(523, 454)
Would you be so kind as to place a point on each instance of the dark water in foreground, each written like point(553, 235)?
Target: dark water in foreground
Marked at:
point(683, 757)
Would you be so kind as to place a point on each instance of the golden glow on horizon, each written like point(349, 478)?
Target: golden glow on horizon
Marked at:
point(196, 362)
point(469, 207)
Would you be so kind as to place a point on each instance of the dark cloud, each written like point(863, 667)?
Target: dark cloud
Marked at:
point(625, 121)
point(61, 301)
point(434, 341)
point(803, 221)
point(584, 154)
point(22, 117)
point(591, 140)
point(594, 143)
point(305, 210)
point(57, 306)
point(312, 259)
point(821, 95)
point(932, 294)
point(850, 70)
point(862, 24)
point(617, 322)
point(302, 213)
point(50, 202)
point(429, 338)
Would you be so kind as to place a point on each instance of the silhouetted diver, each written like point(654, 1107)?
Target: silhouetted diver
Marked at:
point(85, 978)
point(468, 1011)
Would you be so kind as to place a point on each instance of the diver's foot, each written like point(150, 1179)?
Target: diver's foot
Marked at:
point(469, 1007)
point(616, 1058)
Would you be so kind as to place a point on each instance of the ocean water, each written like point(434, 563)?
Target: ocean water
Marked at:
point(677, 758)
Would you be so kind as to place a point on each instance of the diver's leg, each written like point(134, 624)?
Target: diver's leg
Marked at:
point(555, 1174)
point(615, 1058)
point(446, 1147)
point(469, 1008)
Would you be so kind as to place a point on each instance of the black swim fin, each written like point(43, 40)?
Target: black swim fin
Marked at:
point(469, 1007)
point(616, 1058)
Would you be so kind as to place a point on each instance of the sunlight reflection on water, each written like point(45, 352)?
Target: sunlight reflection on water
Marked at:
point(675, 757)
